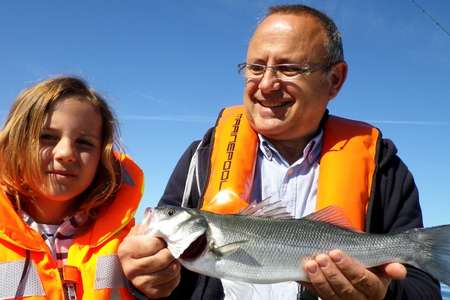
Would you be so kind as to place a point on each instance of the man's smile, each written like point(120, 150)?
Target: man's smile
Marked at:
point(269, 104)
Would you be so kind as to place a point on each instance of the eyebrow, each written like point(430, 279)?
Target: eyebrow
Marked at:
point(90, 136)
point(81, 133)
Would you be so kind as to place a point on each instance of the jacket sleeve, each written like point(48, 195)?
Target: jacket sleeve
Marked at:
point(399, 210)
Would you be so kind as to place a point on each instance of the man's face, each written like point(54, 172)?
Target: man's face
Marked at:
point(287, 110)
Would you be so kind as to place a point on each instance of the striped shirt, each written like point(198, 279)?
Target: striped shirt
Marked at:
point(58, 238)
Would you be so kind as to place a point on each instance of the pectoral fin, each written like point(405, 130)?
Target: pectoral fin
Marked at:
point(227, 249)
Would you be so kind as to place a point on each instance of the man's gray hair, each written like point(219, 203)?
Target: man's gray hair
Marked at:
point(333, 45)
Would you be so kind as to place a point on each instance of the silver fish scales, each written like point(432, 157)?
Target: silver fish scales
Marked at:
point(266, 250)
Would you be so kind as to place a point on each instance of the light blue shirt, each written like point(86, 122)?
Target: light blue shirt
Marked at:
point(295, 186)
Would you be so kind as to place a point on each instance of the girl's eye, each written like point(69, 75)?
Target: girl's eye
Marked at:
point(85, 143)
point(47, 137)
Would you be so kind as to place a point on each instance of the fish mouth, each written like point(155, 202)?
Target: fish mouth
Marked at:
point(147, 216)
point(195, 249)
point(148, 212)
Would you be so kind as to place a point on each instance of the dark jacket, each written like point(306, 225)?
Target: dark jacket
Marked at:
point(394, 206)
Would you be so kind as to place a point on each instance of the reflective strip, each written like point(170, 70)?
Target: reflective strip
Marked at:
point(10, 273)
point(109, 274)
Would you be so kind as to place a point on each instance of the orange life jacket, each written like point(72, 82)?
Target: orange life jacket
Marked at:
point(92, 262)
point(346, 172)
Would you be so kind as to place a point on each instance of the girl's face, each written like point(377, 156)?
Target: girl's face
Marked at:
point(70, 150)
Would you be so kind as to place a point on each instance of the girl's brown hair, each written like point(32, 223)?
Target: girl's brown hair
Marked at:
point(19, 142)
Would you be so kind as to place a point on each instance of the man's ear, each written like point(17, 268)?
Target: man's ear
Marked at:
point(336, 78)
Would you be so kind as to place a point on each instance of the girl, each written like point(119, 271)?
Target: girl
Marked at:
point(67, 198)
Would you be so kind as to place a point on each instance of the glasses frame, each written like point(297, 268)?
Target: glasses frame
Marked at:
point(304, 70)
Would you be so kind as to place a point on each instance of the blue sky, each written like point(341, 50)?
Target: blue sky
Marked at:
point(168, 68)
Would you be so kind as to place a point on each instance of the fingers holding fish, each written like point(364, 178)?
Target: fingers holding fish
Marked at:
point(140, 255)
point(318, 281)
point(329, 282)
point(363, 283)
point(394, 271)
point(372, 285)
point(137, 244)
point(149, 265)
point(337, 276)
point(136, 248)
point(153, 264)
point(347, 287)
point(160, 277)
point(159, 284)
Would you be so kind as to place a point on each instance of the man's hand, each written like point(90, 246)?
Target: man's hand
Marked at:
point(338, 276)
point(148, 265)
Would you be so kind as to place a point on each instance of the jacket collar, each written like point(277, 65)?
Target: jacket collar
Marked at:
point(115, 217)
point(121, 211)
point(14, 230)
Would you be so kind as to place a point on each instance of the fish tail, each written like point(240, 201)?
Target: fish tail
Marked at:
point(433, 255)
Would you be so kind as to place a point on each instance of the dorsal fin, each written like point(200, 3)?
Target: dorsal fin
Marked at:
point(333, 215)
point(267, 209)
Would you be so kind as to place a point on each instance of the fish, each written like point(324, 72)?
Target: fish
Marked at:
point(260, 249)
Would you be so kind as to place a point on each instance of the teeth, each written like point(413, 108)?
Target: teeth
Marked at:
point(272, 106)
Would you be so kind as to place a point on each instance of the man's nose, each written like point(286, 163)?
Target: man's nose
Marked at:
point(65, 150)
point(269, 81)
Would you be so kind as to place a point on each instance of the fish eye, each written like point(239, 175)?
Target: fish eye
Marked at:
point(171, 212)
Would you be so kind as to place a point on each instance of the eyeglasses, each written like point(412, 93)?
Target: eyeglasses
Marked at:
point(285, 72)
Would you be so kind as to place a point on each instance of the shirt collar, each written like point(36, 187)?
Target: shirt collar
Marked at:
point(311, 152)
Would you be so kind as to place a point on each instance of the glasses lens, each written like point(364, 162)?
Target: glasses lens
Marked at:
point(289, 71)
point(283, 71)
point(253, 70)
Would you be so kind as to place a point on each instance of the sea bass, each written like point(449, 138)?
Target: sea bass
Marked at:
point(257, 249)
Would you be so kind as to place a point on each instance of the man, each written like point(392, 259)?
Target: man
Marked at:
point(305, 158)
